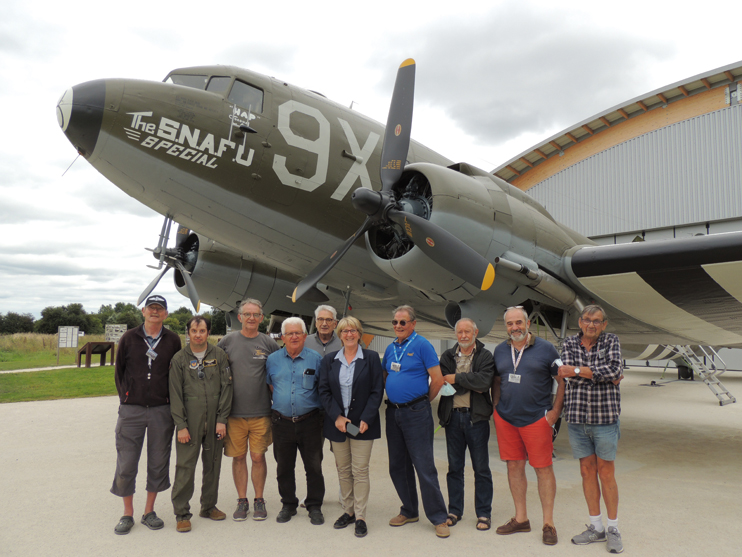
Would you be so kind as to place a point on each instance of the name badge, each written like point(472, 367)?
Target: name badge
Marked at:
point(601, 354)
point(151, 354)
point(396, 366)
point(513, 378)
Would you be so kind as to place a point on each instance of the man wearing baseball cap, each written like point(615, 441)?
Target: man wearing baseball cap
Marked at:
point(142, 366)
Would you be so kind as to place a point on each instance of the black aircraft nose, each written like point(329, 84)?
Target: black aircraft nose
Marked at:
point(80, 114)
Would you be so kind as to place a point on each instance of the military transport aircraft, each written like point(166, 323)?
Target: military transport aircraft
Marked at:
point(286, 196)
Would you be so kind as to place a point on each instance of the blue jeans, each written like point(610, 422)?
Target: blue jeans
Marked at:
point(409, 437)
point(460, 434)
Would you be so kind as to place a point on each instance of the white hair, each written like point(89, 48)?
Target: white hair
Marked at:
point(521, 308)
point(470, 320)
point(326, 308)
point(293, 321)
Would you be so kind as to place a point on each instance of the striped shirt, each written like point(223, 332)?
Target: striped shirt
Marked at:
point(594, 401)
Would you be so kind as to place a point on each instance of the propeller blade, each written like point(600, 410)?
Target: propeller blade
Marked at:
point(192, 294)
point(398, 126)
point(446, 249)
point(324, 267)
point(152, 285)
point(181, 236)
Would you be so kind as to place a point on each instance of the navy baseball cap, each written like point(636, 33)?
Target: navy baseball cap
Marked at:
point(156, 300)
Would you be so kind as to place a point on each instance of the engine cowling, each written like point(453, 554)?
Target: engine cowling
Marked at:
point(224, 278)
point(459, 203)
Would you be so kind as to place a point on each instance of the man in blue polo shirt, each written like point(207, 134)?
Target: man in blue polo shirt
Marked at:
point(291, 374)
point(409, 362)
point(525, 367)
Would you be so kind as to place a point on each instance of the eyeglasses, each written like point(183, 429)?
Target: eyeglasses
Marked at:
point(348, 331)
point(594, 322)
point(292, 334)
point(401, 323)
point(514, 307)
point(201, 373)
point(324, 320)
point(253, 315)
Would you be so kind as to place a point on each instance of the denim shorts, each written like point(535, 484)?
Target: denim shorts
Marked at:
point(600, 440)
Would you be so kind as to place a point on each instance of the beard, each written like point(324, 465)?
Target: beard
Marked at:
point(518, 336)
point(467, 345)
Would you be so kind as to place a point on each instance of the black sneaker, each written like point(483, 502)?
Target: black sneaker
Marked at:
point(285, 514)
point(316, 517)
point(361, 529)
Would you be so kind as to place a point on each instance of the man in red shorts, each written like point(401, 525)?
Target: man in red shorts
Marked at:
point(526, 367)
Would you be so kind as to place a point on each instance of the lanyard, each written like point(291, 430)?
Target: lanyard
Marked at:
point(399, 355)
point(152, 348)
point(520, 355)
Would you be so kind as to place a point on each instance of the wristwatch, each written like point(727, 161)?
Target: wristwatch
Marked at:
point(577, 371)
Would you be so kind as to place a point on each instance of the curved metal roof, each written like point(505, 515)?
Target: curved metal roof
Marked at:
point(557, 144)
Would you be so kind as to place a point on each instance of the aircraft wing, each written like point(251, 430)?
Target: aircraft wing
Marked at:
point(690, 287)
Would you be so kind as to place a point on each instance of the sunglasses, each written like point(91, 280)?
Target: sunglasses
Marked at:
point(201, 374)
point(401, 323)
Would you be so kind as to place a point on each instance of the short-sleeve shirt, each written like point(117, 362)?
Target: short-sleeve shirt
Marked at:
point(295, 381)
point(525, 393)
point(416, 356)
point(247, 357)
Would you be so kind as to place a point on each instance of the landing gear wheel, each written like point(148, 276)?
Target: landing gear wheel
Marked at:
point(684, 372)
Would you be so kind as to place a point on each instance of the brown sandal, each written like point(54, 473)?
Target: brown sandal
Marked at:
point(483, 520)
point(453, 519)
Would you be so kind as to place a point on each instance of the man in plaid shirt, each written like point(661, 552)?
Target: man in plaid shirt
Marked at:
point(592, 403)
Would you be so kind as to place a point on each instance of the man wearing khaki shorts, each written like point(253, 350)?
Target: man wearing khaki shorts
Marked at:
point(249, 424)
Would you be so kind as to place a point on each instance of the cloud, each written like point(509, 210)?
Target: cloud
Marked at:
point(273, 58)
point(14, 211)
point(517, 70)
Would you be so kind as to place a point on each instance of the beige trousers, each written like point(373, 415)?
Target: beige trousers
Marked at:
point(351, 458)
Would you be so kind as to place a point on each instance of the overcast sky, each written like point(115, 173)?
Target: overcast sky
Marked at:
point(493, 78)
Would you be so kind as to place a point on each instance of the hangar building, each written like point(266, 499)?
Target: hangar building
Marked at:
point(666, 164)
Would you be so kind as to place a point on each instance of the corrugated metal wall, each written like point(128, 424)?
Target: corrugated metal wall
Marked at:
point(687, 172)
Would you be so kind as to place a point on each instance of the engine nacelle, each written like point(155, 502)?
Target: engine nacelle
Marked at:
point(223, 279)
point(458, 203)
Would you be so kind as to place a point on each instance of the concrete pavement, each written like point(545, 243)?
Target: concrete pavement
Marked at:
point(678, 471)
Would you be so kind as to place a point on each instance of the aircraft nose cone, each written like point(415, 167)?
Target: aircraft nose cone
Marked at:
point(64, 109)
point(80, 114)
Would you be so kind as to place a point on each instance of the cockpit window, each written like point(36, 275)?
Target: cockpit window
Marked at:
point(219, 84)
point(195, 81)
point(246, 96)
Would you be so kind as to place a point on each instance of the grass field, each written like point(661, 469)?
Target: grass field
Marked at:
point(57, 383)
point(30, 350)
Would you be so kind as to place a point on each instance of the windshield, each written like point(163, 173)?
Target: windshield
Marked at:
point(195, 81)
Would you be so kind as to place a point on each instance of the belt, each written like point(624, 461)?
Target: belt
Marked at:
point(296, 419)
point(462, 410)
point(406, 404)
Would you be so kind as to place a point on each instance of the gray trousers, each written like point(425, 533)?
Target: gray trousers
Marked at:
point(133, 422)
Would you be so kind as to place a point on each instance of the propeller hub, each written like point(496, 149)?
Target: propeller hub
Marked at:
point(370, 202)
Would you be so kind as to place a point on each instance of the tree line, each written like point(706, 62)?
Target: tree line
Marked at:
point(74, 315)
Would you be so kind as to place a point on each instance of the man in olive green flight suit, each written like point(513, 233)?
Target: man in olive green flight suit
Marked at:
point(200, 402)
